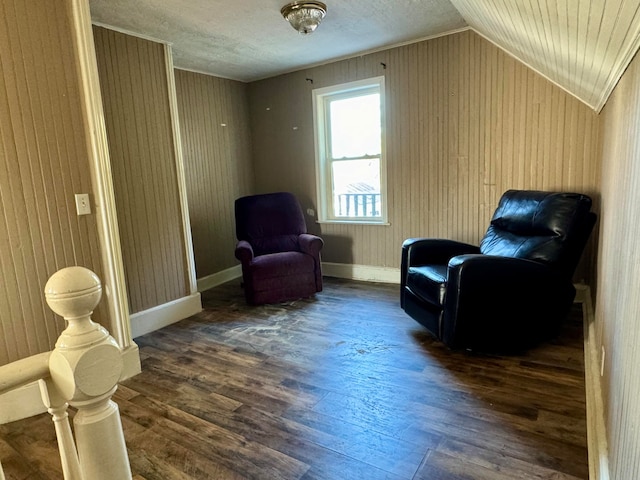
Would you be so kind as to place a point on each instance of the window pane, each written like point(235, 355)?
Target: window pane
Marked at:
point(356, 188)
point(355, 126)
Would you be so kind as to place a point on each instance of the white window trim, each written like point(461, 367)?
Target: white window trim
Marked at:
point(323, 186)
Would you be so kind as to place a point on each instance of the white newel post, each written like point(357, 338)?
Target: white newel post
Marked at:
point(85, 368)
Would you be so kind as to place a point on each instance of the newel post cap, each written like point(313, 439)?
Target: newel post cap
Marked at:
point(86, 362)
point(73, 292)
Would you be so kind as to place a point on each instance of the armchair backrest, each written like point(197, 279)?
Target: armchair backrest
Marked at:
point(547, 227)
point(270, 222)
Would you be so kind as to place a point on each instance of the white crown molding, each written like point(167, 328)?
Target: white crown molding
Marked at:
point(131, 33)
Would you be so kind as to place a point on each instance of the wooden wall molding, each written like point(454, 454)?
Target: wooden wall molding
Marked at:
point(180, 174)
point(114, 279)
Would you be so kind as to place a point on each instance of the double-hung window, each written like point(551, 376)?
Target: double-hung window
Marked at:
point(350, 163)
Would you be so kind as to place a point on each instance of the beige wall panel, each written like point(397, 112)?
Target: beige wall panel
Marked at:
point(465, 122)
point(618, 298)
point(216, 145)
point(133, 80)
point(43, 162)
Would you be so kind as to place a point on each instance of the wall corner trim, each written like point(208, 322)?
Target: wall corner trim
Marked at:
point(596, 428)
point(180, 172)
point(114, 282)
point(163, 315)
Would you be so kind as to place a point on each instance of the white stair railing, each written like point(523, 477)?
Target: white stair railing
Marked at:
point(82, 371)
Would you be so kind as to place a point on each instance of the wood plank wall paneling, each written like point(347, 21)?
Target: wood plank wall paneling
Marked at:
point(216, 145)
point(43, 162)
point(617, 300)
point(465, 122)
point(133, 79)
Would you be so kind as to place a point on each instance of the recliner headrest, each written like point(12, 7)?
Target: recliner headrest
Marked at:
point(536, 213)
point(548, 227)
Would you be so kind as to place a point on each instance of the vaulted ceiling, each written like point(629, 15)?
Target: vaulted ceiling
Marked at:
point(583, 46)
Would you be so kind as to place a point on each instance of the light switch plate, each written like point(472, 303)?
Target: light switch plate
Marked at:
point(82, 204)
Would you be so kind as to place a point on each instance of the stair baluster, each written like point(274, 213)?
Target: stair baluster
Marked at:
point(57, 407)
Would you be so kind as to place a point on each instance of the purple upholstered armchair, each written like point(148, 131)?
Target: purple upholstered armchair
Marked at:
point(280, 260)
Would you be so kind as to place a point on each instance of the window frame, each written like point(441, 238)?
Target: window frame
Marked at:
point(323, 161)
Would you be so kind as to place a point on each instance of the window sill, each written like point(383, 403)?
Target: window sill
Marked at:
point(353, 222)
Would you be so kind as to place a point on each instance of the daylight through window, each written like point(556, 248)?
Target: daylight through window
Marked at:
point(349, 127)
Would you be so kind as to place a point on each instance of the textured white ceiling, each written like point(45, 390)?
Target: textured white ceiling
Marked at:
point(583, 46)
point(248, 39)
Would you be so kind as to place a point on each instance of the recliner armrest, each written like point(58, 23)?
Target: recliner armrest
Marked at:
point(244, 252)
point(505, 298)
point(423, 251)
point(310, 244)
point(485, 266)
point(500, 279)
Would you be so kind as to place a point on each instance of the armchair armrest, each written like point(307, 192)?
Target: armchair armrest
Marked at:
point(509, 301)
point(466, 270)
point(423, 251)
point(310, 244)
point(244, 252)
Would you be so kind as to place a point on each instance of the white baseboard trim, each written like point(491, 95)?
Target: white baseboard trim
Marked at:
point(596, 429)
point(157, 317)
point(366, 273)
point(210, 281)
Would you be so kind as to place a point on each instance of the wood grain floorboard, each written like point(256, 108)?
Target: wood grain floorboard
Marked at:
point(340, 386)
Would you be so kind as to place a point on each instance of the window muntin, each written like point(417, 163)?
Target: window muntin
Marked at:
point(349, 122)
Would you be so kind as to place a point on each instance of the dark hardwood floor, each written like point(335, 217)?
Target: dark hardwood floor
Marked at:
point(341, 386)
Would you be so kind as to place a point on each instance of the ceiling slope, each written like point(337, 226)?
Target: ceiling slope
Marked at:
point(583, 46)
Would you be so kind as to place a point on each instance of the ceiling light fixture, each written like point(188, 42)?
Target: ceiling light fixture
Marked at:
point(304, 16)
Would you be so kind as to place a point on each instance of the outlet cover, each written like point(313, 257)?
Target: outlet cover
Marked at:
point(82, 204)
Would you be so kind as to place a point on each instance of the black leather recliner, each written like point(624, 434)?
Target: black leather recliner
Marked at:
point(512, 291)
